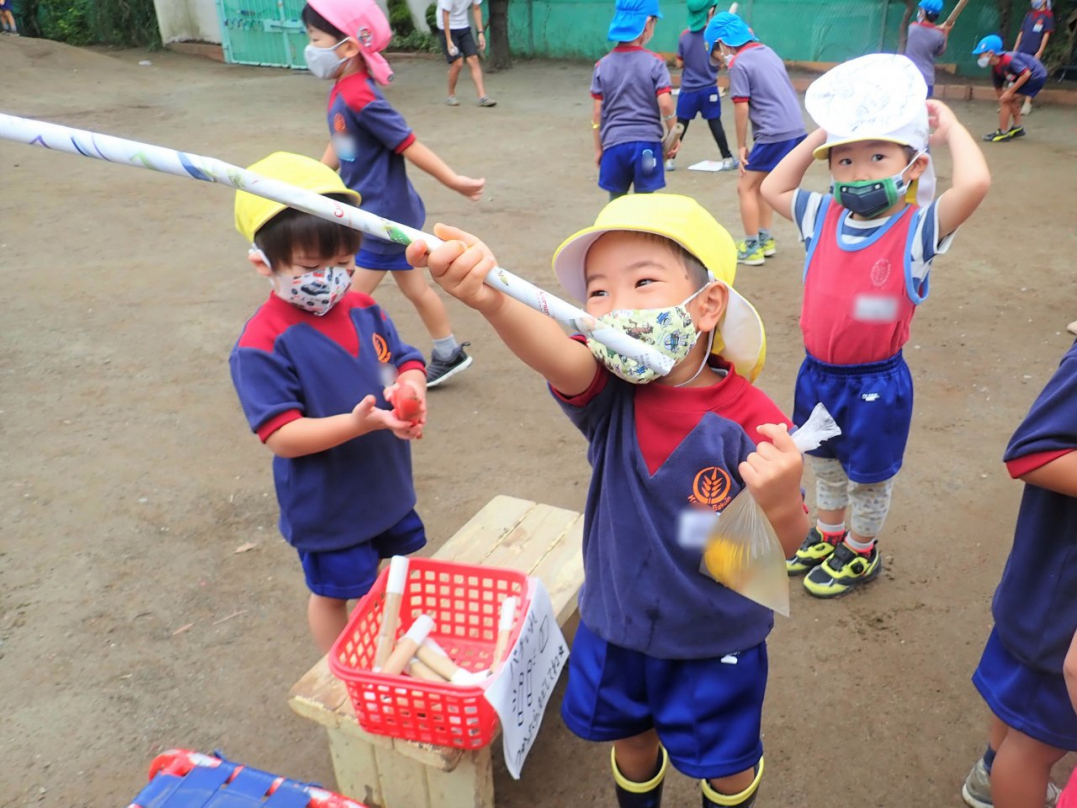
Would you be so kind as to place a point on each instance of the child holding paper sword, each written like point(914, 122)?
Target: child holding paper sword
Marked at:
point(667, 664)
point(310, 370)
point(870, 248)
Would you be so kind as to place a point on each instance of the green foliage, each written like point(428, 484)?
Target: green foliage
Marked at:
point(400, 18)
point(1061, 47)
point(432, 16)
point(416, 41)
point(121, 23)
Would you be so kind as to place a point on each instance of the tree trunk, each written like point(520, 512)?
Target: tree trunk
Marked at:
point(903, 34)
point(30, 24)
point(1005, 15)
point(500, 55)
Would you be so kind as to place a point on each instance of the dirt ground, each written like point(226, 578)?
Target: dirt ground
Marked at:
point(128, 623)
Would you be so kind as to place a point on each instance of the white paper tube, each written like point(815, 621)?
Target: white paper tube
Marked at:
point(504, 629)
point(408, 645)
point(417, 670)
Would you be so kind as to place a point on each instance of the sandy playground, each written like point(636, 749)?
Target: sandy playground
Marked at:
point(129, 478)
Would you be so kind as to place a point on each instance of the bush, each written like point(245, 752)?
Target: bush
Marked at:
point(415, 42)
point(122, 23)
point(400, 18)
point(432, 16)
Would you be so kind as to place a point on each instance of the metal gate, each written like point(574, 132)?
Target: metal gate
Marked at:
point(263, 32)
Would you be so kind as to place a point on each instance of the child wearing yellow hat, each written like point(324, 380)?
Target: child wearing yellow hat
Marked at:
point(667, 664)
point(315, 368)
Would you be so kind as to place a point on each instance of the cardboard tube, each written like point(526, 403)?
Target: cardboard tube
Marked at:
point(390, 617)
point(504, 630)
point(439, 663)
point(408, 645)
point(417, 670)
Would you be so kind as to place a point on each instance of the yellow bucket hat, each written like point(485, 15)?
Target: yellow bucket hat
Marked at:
point(252, 212)
point(740, 338)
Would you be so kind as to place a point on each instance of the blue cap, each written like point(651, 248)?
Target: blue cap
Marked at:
point(730, 29)
point(991, 43)
point(631, 18)
point(931, 6)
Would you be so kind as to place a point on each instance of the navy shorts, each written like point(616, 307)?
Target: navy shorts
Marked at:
point(464, 42)
point(389, 257)
point(930, 90)
point(628, 164)
point(766, 156)
point(707, 712)
point(1028, 700)
point(1031, 88)
point(873, 406)
point(349, 573)
point(705, 102)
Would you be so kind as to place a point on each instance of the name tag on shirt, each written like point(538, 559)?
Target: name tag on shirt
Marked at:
point(1038, 27)
point(875, 308)
point(694, 526)
point(344, 146)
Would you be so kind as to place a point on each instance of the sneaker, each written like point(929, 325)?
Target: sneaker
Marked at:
point(813, 551)
point(440, 370)
point(729, 164)
point(1026, 108)
point(486, 101)
point(997, 136)
point(452, 101)
point(769, 246)
point(750, 253)
point(843, 571)
point(1017, 131)
point(977, 789)
point(671, 165)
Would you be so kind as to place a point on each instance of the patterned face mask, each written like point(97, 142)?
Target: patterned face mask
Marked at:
point(316, 292)
point(669, 329)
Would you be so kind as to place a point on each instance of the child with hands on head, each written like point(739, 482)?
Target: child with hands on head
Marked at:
point(316, 369)
point(369, 143)
point(667, 664)
point(869, 251)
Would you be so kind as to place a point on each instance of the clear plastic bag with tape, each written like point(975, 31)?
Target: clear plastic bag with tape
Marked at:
point(742, 551)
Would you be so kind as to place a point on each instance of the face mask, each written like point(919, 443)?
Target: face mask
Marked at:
point(869, 198)
point(984, 60)
point(1037, 4)
point(316, 292)
point(323, 62)
point(669, 329)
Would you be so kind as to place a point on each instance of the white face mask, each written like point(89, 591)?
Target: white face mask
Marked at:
point(316, 292)
point(984, 60)
point(323, 62)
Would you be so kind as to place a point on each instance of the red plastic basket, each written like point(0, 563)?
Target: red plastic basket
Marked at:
point(464, 601)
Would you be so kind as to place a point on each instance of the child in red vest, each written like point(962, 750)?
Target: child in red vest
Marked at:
point(870, 248)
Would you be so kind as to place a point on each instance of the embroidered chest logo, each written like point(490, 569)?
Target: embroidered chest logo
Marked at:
point(381, 349)
point(339, 124)
point(880, 273)
point(711, 487)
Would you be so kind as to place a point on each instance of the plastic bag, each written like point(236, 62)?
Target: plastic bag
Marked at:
point(742, 551)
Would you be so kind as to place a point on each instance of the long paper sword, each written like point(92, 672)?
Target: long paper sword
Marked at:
point(208, 169)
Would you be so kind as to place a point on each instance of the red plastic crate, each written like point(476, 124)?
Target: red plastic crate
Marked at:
point(465, 602)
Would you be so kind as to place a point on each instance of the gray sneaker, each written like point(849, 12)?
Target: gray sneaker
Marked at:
point(452, 101)
point(440, 370)
point(486, 101)
point(729, 164)
point(977, 789)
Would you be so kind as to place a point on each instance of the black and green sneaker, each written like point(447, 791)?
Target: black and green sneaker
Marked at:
point(813, 551)
point(843, 571)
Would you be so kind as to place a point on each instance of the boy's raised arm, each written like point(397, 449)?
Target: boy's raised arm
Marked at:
point(972, 178)
point(459, 267)
point(781, 184)
point(1060, 475)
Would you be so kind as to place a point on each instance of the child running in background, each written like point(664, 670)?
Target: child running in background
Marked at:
point(7, 19)
point(699, 81)
point(667, 664)
point(1032, 649)
point(870, 249)
point(633, 106)
point(927, 41)
point(1016, 76)
point(311, 369)
point(763, 94)
point(370, 142)
point(1036, 30)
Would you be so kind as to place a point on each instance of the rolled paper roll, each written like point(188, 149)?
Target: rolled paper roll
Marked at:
point(434, 656)
point(408, 645)
point(504, 629)
point(417, 670)
point(390, 618)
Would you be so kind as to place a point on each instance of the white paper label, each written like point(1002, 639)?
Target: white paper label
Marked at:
point(694, 526)
point(521, 689)
point(875, 308)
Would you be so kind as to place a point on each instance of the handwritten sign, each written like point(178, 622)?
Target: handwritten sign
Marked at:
point(523, 685)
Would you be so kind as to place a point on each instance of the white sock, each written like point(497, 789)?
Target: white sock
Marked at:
point(444, 348)
point(823, 527)
point(860, 546)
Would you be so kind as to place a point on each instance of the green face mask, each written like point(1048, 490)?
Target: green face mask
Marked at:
point(869, 198)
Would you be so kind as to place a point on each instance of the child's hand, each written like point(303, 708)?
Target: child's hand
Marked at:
point(598, 156)
point(742, 154)
point(409, 402)
point(939, 118)
point(459, 266)
point(772, 472)
point(371, 418)
point(470, 188)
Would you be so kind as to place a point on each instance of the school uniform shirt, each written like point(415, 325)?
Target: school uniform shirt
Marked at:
point(369, 137)
point(1035, 605)
point(290, 364)
point(698, 73)
point(458, 13)
point(1033, 27)
point(1012, 65)
point(881, 285)
point(757, 77)
point(628, 81)
point(657, 452)
point(925, 43)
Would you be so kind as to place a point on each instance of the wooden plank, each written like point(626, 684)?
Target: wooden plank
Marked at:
point(526, 544)
point(472, 543)
point(470, 785)
point(355, 766)
point(561, 570)
point(320, 687)
point(402, 780)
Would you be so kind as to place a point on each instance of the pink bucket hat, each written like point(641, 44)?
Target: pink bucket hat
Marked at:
point(364, 22)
